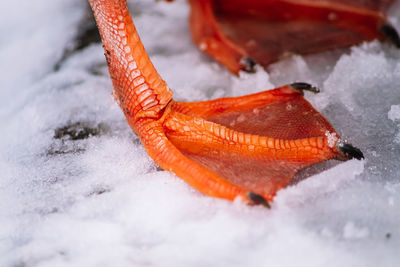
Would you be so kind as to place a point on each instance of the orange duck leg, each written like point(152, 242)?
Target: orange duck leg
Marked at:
point(240, 33)
point(248, 147)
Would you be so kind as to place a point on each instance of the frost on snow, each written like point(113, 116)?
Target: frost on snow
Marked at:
point(78, 189)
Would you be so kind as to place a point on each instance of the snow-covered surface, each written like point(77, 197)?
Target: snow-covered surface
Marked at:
point(101, 201)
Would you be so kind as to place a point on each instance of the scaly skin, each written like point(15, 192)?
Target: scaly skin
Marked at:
point(211, 144)
point(240, 33)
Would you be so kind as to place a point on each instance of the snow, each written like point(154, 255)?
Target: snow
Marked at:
point(394, 115)
point(99, 200)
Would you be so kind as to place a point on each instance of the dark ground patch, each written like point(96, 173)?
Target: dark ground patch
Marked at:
point(87, 35)
point(70, 138)
point(79, 131)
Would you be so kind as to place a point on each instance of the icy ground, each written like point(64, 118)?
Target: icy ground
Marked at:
point(78, 189)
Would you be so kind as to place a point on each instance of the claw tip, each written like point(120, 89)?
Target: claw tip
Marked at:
point(249, 64)
point(258, 199)
point(300, 86)
point(349, 151)
point(390, 32)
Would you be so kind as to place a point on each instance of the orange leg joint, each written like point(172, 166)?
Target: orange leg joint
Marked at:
point(240, 33)
point(247, 147)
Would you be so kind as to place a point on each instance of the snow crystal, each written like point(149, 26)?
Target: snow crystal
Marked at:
point(78, 189)
point(332, 138)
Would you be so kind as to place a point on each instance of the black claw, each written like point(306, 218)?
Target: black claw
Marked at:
point(249, 64)
point(350, 151)
point(258, 199)
point(390, 32)
point(304, 87)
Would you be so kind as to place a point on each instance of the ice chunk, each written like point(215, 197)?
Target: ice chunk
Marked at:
point(394, 113)
point(351, 231)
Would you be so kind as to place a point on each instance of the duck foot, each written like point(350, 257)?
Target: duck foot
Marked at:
point(267, 31)
point(225, 147)
point(256, 143)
